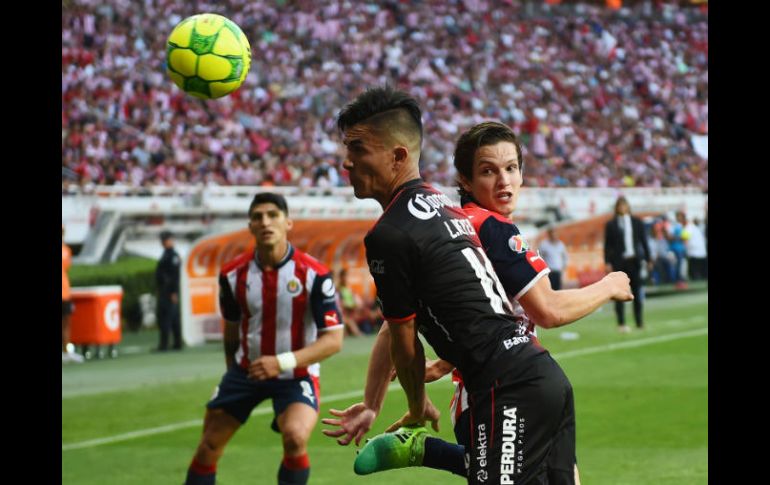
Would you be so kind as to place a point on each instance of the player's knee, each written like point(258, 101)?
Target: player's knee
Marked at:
point(210, 448)
point(295, 436)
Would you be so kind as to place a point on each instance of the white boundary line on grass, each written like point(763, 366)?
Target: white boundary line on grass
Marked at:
point(358, 394)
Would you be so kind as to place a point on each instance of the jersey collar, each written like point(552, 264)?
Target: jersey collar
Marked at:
point(289, 254)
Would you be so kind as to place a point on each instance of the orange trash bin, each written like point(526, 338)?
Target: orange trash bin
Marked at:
point(96, 316)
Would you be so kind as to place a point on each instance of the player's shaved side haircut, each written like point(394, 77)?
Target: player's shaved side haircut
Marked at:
point(390, 112)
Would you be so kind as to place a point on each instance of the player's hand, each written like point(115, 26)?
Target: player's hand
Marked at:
point(429, 414)
point(436, 369)
point(353, 423)
point(265, 367)
point(620, 286)
point(174, 298)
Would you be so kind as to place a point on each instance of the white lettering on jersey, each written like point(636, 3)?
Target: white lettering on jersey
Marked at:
point(488, 280)
point(424, 208)
point(461, 227)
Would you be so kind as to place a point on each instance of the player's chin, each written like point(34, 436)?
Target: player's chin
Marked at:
point(505, 208)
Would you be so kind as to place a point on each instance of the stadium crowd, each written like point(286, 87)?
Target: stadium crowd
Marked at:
point(600, 98)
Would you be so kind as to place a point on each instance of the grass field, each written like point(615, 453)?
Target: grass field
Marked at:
point(641, 402)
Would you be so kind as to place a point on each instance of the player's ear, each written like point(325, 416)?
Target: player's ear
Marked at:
point(289, 224)
point(400, 156)
point(465, 184)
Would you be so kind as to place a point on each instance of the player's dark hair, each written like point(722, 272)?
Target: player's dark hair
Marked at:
point(482, 134)
point(383, 107)
point(269, 198)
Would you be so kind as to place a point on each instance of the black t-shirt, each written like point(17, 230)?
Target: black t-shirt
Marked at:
point(428, 264)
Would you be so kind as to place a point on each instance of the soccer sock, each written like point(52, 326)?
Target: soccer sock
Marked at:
point(294, 470)
point(199, 474)
point(442, 455)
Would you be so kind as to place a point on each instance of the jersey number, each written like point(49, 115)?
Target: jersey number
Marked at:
point(488, 278)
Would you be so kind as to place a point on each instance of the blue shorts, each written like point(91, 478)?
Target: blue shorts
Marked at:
point(238, 395)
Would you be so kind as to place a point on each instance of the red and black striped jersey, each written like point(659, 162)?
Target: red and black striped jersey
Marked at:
point(279, 310)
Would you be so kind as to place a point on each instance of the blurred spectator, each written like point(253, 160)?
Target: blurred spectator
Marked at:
point(602, 98)
point(663, 257)
point(371, 318)
point(695, 246)
point(676, 238)
point(350, 305)
point(67, 354)
point(554, 253)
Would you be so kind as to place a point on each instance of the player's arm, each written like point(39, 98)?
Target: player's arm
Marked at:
point(409, 359)
point(378, 373)
point(232, 340)
point(550, 308)
point(328, 343)
point(231, 312)
point(355, 421)
point(436, 369)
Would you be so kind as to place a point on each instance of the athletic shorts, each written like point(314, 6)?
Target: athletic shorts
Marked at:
point(66, 308)
point(463, 429)
point(238, 395)
point(523, 432)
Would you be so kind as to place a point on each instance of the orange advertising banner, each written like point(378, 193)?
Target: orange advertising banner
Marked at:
point(336, 243)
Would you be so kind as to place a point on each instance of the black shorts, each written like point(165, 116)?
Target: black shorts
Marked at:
point(523, 432)
point(238, 395)
point(66, 308)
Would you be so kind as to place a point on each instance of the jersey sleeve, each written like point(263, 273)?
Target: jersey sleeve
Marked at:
point(323, 303)
point(391, 255)
point(518, 267)
point(228, 305)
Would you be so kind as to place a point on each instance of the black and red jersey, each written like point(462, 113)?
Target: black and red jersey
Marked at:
point(428, 264)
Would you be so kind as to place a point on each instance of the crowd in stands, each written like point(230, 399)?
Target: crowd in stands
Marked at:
point(600, 98)
point(679, 248)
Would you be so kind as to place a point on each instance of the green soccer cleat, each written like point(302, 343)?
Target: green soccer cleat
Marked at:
point(401, 448)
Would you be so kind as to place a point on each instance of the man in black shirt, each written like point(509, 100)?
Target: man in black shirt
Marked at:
point(167, 280)
point(432, 275)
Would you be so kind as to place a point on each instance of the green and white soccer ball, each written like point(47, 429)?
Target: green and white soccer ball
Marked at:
point(208, 56)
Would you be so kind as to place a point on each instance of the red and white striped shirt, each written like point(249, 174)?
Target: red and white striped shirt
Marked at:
point(279, 310)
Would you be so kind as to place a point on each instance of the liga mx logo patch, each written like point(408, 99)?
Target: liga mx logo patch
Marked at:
point(518, 244)
point(294, 287)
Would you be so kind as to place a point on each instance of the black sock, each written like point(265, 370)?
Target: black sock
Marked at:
point(199, 474)
point(442, 455)
point(294, 470)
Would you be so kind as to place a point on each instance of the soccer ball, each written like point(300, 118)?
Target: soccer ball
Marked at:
point(208, 56)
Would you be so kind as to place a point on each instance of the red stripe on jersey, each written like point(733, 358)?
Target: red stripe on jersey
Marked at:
point(492, 437)
point(317, 389)
point(537, 263)
point(298, 307)
point(308, 260)
point(240, 295)
point(471, 406)
point(269, 302)
point(459, 398)
point(392, 201)
point(400, 320)
point(478, 215)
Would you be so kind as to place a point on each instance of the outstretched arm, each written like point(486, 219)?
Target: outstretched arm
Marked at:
point(355, 421)
point(550, 308)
